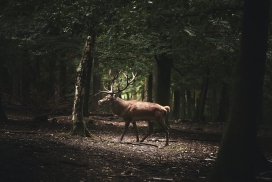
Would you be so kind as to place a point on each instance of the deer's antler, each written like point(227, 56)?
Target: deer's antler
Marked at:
point(113, 78)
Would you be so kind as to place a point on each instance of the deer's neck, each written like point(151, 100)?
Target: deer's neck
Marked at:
point(118, 106)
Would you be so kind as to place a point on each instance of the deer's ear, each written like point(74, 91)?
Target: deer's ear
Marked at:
point(114, 96)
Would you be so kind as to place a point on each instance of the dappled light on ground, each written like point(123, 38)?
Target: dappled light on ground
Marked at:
point(33, 150)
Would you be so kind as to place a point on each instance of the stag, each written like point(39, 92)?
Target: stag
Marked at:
point(133, 110)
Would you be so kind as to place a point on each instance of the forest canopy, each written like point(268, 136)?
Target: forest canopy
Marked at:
point(42, 41)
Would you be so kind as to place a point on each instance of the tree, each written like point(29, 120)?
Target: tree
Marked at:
point(199, 114)
point(96, 84)
point(163, 80)
point(239, 153)
point(79, 126)
point(176, 105)
point(3, 116)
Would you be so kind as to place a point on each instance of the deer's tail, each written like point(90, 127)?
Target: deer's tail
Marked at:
point(167, 109)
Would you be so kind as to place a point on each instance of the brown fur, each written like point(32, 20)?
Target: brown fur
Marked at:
point(133, 110)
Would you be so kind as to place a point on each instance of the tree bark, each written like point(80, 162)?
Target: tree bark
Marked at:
point(176, 109)
point(163, 79)
point(214, 105)
point(238, 153)
point(79, 126)
point(25, 79)
point(3, 116)
point(223, 105)
point(96, 84)
point(190, 103)
point(62, 78)
point(150, 88)
point(87, 75)
point(199, 113)
point(183, 104)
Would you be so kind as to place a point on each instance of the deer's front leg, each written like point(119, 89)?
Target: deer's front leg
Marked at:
point(136, 130)
point(127, 122)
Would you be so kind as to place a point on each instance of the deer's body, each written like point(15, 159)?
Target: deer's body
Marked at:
point(133, 110)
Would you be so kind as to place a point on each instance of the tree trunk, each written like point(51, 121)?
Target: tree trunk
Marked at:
point(190, 102)
point(62, 78)
point(25, 80)
point(238, 153)
point(150, 88)
point(223, 105)
point(52, 80)
point(183, 104)
point(163, 79)
point(143, 93)
point(79, 126)
point(176, 109)
point(214, 106)
point(96, 84)
point(3, 116)
point(87, 75)
point(134, 93)
point(199, 114)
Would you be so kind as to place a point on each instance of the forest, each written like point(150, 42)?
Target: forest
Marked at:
point(208, 63)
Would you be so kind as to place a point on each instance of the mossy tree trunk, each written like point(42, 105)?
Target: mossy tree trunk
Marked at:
point(239, 153)
point(87, 75)
point(79, 126)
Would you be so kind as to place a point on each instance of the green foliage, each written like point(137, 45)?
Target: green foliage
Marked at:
point(196, 34)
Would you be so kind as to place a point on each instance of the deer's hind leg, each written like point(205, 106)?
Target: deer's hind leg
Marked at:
point(136, 130)
point(161, 122)
point(150, 130)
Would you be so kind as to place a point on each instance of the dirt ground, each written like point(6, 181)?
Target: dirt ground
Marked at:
point(37, 150)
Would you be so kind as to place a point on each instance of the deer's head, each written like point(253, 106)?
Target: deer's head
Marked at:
point(107, 100)
point(111, 95)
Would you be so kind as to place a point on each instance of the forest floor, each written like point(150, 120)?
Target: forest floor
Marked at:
point(37, 150)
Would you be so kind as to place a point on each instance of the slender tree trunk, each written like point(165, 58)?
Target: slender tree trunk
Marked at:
point(149, 88)
point(214, 106)
point(238, 153)
point(52, 80)
point(134, 93)
point(194, 101)
point(176, 109)
point(25, 80)
point(79, 126)
point(223, 105)
point(183, 104)
point(143, 93)
point(62, 78)
point(199, 114)
point(190, 102)
point(96, 84)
